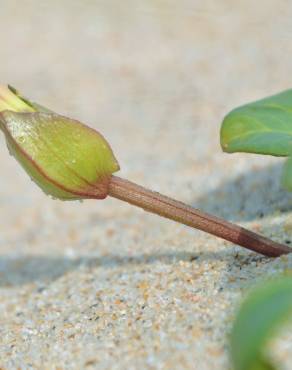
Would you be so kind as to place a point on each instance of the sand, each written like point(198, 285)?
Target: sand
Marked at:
point(104, 285)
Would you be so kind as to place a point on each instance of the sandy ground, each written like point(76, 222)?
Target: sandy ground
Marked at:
point(103, 285)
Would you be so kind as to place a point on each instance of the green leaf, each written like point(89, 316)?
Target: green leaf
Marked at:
point(267, 306)
point(287, 175)
point(263, 127)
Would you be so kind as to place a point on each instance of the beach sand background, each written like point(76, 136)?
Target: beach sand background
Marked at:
point(104, 285)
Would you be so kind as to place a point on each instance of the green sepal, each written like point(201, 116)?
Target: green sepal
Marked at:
point(66, 158)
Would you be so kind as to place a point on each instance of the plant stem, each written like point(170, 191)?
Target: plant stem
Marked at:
point(177, 211)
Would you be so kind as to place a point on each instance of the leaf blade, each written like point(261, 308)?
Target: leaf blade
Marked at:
point(262, 127)
point(259, 316)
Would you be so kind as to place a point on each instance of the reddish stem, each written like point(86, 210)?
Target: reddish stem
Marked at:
point(177, 211)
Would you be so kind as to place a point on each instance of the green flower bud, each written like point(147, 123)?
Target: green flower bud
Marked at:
point(66, 158)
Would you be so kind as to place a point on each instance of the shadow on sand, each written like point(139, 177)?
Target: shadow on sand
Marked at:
point(254, 195)
point(21, 270)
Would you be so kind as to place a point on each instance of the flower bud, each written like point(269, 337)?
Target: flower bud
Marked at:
point(66, 158)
